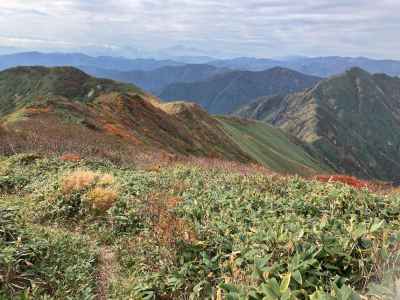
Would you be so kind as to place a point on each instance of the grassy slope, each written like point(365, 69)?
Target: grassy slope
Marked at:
point(271, 147)
point(186, 232)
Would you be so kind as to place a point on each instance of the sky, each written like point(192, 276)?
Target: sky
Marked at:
point(223, 28)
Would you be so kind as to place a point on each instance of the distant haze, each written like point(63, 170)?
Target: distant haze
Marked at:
point(218, 28)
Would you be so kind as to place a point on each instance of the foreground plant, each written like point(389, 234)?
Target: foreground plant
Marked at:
point(186, 232)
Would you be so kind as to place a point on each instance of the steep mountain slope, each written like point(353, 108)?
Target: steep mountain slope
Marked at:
point(78, 59)
point(273, 147)
point(156, 80)
point(64, 110)
point(353, 119)
point(224, 93)
point(262, 108)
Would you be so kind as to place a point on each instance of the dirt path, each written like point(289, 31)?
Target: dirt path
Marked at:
point(106, 271)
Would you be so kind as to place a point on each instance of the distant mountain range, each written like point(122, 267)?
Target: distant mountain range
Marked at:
point(223, 93)
point(317, 66)
point(352, 119)
point(111, 67)
point(156, 80)
point(78, 59)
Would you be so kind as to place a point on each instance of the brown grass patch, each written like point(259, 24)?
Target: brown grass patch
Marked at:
point(173, 202)
point(168, 228)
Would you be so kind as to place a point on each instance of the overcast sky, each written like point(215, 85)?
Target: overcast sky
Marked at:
point(262, 28)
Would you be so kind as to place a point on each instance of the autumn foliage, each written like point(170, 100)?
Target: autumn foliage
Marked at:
point(349, 180)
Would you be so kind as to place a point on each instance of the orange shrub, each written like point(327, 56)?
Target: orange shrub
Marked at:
point(121, 132)
point(37, 110)
point(349, 180)
point(70, 157)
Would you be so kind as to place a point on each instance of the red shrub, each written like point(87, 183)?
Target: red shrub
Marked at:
point(349, 180)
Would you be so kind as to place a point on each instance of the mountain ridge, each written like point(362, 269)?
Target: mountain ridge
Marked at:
point(353, 120)
point(77, 110)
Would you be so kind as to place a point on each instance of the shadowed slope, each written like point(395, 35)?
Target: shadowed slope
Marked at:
point(224, 93)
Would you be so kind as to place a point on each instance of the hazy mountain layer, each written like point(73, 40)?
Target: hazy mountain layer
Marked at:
point(156, 80)
point(317, 66)
point(224, 93)
point(78, 59)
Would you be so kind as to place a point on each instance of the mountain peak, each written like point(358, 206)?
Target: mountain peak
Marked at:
point(22, 86)
point(357, 71)
point(59, 72)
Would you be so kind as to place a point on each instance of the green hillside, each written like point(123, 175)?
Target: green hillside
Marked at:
point(272, 147)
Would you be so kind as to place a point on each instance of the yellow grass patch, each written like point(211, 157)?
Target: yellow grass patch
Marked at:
point(82, 179)
point(102, 199)
point(78, 181)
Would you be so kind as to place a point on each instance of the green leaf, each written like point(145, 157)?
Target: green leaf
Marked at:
point(297, 276)
point(376, 226)
point(229, 288)
point(285, 283)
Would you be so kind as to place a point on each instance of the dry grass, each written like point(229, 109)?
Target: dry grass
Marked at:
point(106, 180)
point(167, 227)
point(100, 190)
point(78, 181)
point(82, 179)
point(102, 199)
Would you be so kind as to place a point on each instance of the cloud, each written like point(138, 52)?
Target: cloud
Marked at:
point(261, 28)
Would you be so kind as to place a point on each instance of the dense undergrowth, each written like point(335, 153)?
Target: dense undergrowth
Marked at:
point(185, 232)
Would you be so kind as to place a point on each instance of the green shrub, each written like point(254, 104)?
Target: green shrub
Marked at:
point(36, 262)
point(12, 184)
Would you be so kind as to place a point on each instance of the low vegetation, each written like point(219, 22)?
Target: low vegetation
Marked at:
point(85, 229)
